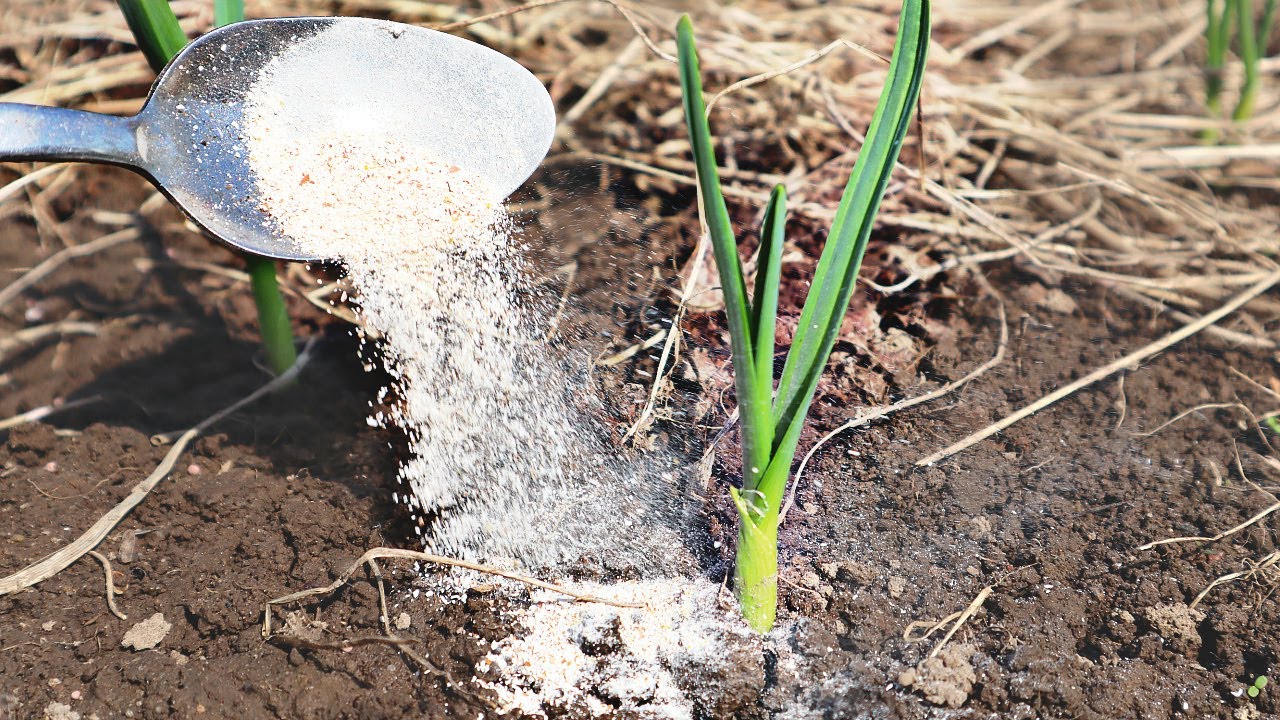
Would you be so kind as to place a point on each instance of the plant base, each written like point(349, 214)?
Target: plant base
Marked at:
point(756, 572)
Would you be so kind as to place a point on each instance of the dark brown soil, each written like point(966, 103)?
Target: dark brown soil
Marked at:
point(285, 493)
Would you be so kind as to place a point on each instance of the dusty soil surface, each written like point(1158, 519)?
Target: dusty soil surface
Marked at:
point(1037, 530)
point(282, 495)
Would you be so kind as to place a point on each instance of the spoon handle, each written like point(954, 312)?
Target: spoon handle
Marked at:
point(41, 132)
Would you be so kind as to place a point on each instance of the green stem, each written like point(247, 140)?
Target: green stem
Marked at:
point(1217, 37)
point(756, 566)
point(1212, 104)
point(160, 37)
point(273, 317)
point(156, 29)
point(1249, 57)
point(771, 427)
point(226, 12)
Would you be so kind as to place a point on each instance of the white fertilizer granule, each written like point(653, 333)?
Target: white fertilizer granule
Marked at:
point(504, 467)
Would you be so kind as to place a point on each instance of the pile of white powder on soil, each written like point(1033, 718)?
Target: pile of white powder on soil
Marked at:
point(663, 661)
point(505, 467)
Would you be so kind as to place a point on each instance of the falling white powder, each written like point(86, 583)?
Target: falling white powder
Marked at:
point(504, 466)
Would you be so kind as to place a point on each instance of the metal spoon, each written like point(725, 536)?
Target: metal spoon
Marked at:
point(469, 105)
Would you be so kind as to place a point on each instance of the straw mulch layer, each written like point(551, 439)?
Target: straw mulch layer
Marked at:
point(1056, 213)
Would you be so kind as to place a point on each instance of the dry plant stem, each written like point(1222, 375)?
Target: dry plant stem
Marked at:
point(623, 10)
point(498, 15)
point(371, 556)
point(554, 325)
point(317, 298)
point(110, 584)
point(1266, 563)
point(1231, 336)
point(1224, 534)
point(672, 338)
point(1122, 401)
point(1190, 411)
point(33, 335)
point(631, 351)
point(1200, 157)
point(813, 57)
point(969, 612)
point(1011, 27)
point(57, 562)
point(1109, 369)
point(51, 263)
point(400, 644)
point(43, 412)
point(387, 638)
point(13, 188)
point(912, 634)
point(602, 84)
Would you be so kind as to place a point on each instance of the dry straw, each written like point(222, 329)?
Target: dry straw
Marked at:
point(1065, 135)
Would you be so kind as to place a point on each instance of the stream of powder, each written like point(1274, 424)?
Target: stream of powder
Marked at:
point(504, 467)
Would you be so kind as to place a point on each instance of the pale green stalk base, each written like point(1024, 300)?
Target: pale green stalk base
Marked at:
point(756, 572)
point(1248, 98)
point(1213, 105)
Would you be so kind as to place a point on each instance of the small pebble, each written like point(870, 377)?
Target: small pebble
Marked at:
point(34, 314)
point(148, 633)
point(193, 469)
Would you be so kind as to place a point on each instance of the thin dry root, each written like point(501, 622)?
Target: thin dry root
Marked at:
point(371, 556)
point(44, 411)
point(964, 616)
point(1264, 565)
point(1225, 533)
point(111, 584)
point(398, 643)
point(35, 274)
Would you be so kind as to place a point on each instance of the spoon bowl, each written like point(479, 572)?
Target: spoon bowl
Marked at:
point(468, 105)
